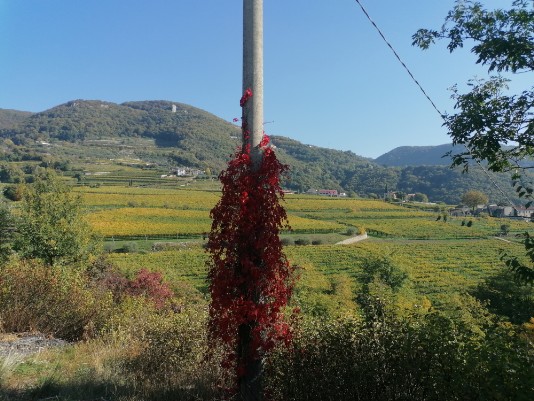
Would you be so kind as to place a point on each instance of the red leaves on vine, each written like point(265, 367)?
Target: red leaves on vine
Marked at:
point(251, 280)
point(246, 96)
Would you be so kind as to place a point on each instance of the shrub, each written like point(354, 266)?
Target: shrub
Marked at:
point(51, 300)
point(166, 352)
point(166, 246)
point(385, 270)
point(109, 247)
point(146, 284)
point(129, 247)
point(317, 242)
point(7, 231)
point(13, 192)
point(302, 241)
point(114, 282)
point(287, 241)
point(424, 357)
point(351, 231)
point(151, 286)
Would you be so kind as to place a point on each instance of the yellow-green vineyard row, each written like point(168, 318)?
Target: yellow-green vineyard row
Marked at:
point(320, 203)
point(429, 228)
point(438, 270)
point(121, 196)
point(162, 221)
point(145, 197)
point(307, 213)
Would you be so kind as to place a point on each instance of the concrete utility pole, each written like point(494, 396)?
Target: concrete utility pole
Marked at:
point(250, 385)
point(253, 73)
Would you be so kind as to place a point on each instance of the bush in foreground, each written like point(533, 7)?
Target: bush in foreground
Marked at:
point(52, 300)
point(167, 352)
point(424, 357)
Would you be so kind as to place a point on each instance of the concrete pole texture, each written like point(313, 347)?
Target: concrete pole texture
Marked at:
point(250, 385)
point(253, 74)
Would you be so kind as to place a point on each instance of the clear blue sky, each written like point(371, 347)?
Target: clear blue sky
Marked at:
point(329, 79)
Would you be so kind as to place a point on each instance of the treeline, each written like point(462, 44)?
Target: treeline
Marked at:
point(439, 183)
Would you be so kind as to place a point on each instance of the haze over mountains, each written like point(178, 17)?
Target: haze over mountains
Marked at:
point(172, 133)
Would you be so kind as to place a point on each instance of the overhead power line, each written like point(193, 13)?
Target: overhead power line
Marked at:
point(399, 58)
point(429, 98)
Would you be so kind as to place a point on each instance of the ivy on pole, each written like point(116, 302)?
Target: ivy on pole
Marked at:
point(251, 280)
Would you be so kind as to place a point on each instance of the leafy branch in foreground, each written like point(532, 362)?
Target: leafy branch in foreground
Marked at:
point(503, 38)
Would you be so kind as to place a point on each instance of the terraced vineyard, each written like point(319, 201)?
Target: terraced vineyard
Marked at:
point(441, 258)
point(106, 197)
point(130, 212)
point(331, 274)
point(436, 269)
point(136, 211)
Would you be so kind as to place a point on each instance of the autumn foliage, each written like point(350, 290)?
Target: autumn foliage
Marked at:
point(250, 278)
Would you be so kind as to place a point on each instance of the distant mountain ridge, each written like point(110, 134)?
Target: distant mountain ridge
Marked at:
point(166, 133)
point(404, 156)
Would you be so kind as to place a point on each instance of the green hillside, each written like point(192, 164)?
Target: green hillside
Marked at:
point(10, 118)
point(162, 134)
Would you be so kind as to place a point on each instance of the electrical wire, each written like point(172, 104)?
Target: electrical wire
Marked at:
point(399, 58)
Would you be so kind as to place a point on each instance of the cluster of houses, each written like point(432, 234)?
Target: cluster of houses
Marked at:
point(183, 172)
point(512, 212)
point(333, 193)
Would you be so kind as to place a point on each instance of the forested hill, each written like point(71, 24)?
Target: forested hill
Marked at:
point(418, 156)
point(184, 134)
point(171, 133)
point(197, 136)
point(10, 118)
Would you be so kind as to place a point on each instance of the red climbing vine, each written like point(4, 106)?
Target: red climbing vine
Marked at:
point(251, 279)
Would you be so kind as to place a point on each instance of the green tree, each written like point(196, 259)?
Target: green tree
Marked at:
point(52, 226)
point(11, 174)
point(474, 198)
point(13, 192)
point(505, 229)
point(487, 117)
point(7, 229)
point(420, 197)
